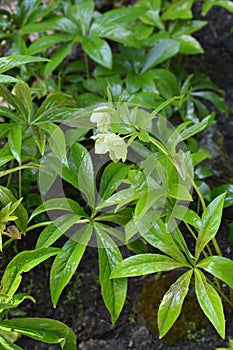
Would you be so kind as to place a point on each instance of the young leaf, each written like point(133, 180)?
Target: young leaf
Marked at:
point(180, 9)
point(211, 220)
point(66, 263)
point(15, 142)
point(210, 302)
point(42, 329)
point(144, 264)
point(220, 267)
point(23, 262)
point(163, 49)
point(171, 305)
point(113, 291)
point(99, 50)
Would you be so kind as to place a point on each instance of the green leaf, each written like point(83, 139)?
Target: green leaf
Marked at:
point(81, 14)
point(194, 129)
point(23, 92)
point(188, 45)
point(180, 9)
point(9, 62)
point(113, 291)
point(66, 204)
point(207, 5)
point(56, 229)
point(220, 267)
point(99, 50)
point(8, 345)
point(57, 57)
point(6, 79)
point(144, 264)
point(15, 142)
point(56, 23)
point(228, 189)
point(118, 16)
point(56, 140)
point(210, 302)
point(159, 237)
point(179, 191)
point(5, 155)
point(6, 196)
point(83, 162)
point(43, 329)
point(112, 176)
point(47, 41)
point(211, 220)
point(163, 50)
point(39, 137)
point(66, 263)
point(171, 305)
point(211, 96)
point(15, 102)
point(23, 262)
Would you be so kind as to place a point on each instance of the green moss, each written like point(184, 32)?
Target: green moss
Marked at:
point(192, 322)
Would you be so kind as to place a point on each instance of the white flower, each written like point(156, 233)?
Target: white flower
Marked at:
point(111, 143)
point(102, 117)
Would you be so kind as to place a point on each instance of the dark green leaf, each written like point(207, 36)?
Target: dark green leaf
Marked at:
point(57, 57)
point(9, 62)
point(163, 50)
point(55, 23)
point(81, 14)
point(99, 50)
point(47, 41)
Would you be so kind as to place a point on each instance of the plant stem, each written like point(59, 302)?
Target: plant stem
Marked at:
point(40, 224)
point(86, 65)
point(10, 175)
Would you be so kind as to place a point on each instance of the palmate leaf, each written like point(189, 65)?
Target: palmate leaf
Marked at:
point(210, 302)
point(23, 262)
point(66, 263)
point(113, 290)
point(211, 220)
point(42, 329)
point(171, 305)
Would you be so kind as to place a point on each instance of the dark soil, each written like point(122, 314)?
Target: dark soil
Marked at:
point(81, 306)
